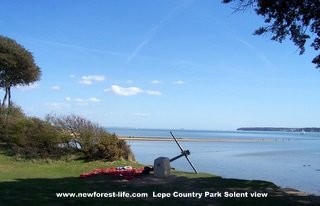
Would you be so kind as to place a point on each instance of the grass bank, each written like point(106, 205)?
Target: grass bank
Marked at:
point(27, 182)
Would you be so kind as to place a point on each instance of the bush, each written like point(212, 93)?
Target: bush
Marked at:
point(56, 136)
point(8, 116)
point(29, 136)
point(109, 147)
point(95, 141)
point(35, 138)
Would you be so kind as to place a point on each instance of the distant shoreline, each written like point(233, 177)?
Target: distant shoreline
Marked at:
point(280, 129)
point(203, 139)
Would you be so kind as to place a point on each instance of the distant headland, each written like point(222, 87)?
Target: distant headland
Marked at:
point(280, 129)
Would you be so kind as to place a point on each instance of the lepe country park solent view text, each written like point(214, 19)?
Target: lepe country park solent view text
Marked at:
point(162, 102)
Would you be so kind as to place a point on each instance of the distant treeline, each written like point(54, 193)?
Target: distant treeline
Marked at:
point(280, 129)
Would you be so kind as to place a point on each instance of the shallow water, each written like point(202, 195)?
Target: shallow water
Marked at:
point(289, 160)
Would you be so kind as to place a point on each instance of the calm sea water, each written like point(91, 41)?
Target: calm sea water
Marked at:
point(289, 160)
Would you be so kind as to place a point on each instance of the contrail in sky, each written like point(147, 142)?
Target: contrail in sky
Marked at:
point(258, 53)
point(156, 28)
point(80, 48)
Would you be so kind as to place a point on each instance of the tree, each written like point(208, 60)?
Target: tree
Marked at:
point(297, 19)
point(17, 67)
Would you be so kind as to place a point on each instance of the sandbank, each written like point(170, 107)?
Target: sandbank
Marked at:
point(202, 139)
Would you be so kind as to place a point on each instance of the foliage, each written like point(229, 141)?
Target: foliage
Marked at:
point(56, 136)
point(109, 147)
point(36, 138)
point(17, 67)
point(95, 141)
point(299, 20)
point(8, 116)
point(30, 136)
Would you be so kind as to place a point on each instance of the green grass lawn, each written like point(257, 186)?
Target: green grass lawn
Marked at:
point(27, 182)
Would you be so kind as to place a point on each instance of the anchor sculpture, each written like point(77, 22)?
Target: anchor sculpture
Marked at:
point(184, 153)
point(162, 164)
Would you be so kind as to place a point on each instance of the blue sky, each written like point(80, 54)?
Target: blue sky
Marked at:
point(160, 64)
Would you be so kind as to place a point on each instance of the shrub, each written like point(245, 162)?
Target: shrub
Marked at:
point(8, 117)
point(109, 147)
point(56, 136)
point(95, 141)
point(36, 138)
point(28, 136)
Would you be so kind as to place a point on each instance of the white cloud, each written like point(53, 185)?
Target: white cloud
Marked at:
point(82, 102)
point(154, 93)
point(93, 99)
point(29, 87)
point(71, 76)
point(79, 100)
point(130, 91)
point(178, 82)
point(56, 105)
point(156, 81)
point(68, 98)
point(56, 88)
point(124, 91)
point(94, 78)
point(88, 80)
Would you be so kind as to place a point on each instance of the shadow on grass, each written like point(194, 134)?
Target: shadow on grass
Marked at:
point(43, 191)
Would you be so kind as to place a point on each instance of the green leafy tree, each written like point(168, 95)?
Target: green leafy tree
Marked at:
point(17, 67)
point(297, 19)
